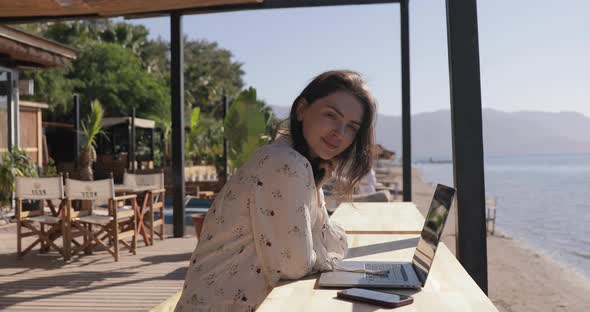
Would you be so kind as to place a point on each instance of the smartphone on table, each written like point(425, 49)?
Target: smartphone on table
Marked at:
point(383, 299)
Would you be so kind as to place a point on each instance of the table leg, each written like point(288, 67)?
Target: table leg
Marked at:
point(140, 224)
point(151, 212)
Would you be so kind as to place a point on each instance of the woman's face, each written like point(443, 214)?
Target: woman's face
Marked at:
point(330, 124)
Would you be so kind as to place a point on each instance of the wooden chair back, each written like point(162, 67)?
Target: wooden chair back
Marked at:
point(90, 190)
point(145, 179)
point(39, 188)
point(103, 190)
point(29, 188)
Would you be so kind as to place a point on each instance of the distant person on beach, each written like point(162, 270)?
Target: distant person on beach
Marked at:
point(269, 221)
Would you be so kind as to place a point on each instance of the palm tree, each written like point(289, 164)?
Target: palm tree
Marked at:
point(90, 130)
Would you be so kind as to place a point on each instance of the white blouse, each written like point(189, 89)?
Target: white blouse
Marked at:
point(267, 223)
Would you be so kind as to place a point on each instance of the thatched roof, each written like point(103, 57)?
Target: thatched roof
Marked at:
point(21, 49)
point(383, 153)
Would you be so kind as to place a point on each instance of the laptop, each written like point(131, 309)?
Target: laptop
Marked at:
point(398, 274)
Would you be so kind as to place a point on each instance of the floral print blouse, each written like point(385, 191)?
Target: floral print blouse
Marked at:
point(267, 223)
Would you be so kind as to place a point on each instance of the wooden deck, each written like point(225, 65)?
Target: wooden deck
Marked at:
point(43, 282)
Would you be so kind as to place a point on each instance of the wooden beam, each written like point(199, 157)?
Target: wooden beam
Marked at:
point(101, 7)
point(144, 9)
point(35, 105)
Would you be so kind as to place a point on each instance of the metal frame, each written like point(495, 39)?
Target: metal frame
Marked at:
point(132, 142)
point(16, 100)
point(76, 99)
point(12, 107)
point(466, 123)
point(177, 93)
point(406, 111)
point(225, 141)
point(9, 108)
point(178, 87)
point(281, 4)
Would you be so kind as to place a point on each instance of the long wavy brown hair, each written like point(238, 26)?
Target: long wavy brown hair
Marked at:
point(357, 160)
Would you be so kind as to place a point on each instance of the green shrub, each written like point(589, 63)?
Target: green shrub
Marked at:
point(14, 163)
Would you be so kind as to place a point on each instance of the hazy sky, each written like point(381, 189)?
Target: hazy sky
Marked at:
point(534, 54)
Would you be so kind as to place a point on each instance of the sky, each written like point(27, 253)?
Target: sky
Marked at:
point(533, 54)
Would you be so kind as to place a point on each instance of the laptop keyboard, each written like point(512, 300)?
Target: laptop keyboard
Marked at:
point(396, 272)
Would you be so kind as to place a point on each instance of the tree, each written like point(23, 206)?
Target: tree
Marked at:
point(210, 71)
point(121, 67)
point(80, 33)
point(209, 74)
point(75, 34)
point(132, 37)
point(155, 56)
point(143, 74)
point(204, 140)
point(53, 87)
point(114, 75)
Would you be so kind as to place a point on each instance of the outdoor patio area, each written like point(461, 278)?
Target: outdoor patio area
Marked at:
point(91, 282)
point(333, 156)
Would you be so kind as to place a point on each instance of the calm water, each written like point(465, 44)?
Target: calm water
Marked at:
point(543, 200)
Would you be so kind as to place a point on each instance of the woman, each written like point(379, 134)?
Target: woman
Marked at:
point(269, 222)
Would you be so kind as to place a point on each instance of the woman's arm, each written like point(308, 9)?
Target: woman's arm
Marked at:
point(329, 239)
point(280, 213)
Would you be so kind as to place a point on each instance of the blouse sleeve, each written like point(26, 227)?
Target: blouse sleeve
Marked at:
point(329, 239)
point(280, 213)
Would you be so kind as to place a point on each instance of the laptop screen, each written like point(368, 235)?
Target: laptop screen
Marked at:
point(432, 230)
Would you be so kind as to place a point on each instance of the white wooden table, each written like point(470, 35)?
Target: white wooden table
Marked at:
point(379, 218)
point(448, 287)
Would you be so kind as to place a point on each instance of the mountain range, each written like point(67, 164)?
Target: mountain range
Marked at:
point(504, 133)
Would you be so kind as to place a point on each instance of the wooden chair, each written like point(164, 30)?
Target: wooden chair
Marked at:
point(491, 214)
point(155, 200)
point(43, 190)
point(117, 225)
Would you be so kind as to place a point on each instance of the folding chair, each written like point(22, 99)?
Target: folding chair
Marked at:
point(109, 229)
point(43, 190)
point(155, 198)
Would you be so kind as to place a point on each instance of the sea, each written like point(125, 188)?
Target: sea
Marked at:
point(543, 200)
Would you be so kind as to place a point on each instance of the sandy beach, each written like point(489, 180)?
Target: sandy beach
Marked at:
point(519, 278)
